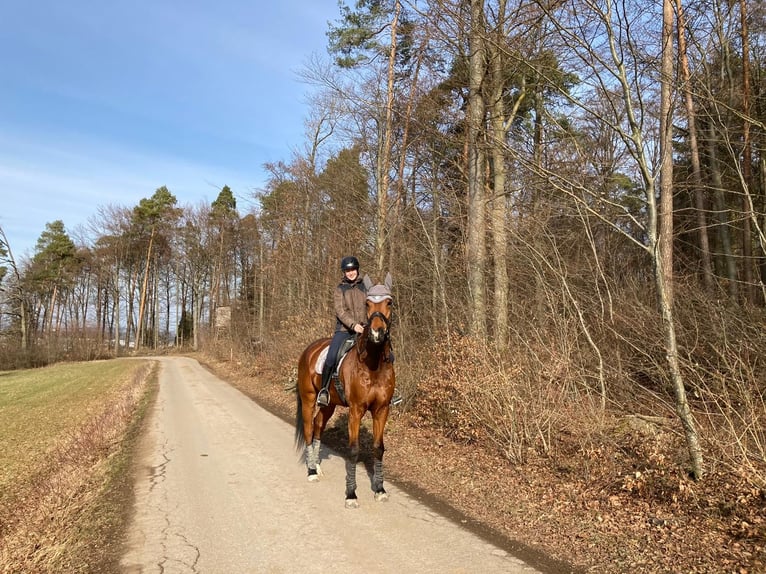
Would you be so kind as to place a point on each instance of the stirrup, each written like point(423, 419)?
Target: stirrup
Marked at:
point(396, 399)
point(323, 397)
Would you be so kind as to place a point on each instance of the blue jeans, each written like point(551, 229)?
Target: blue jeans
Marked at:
point(330, 362)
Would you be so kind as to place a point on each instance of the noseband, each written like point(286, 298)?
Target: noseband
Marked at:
point(382, 317)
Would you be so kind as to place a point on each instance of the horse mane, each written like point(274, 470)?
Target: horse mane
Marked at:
point(360, 345)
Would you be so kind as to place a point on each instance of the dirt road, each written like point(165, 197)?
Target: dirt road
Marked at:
point(220, 489)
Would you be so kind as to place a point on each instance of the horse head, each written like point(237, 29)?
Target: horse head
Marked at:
point(379, 305)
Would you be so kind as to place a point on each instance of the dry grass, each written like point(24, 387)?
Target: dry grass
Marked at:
point(66, 426)
point(524, 448)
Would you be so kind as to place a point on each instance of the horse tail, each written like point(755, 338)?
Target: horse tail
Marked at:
point(300, 442)
point(304, 384)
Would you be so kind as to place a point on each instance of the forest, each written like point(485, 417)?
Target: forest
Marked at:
point(570, 196)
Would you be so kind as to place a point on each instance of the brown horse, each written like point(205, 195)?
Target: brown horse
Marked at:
point(367, 382)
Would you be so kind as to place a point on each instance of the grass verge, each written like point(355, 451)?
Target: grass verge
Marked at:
point(64, 463)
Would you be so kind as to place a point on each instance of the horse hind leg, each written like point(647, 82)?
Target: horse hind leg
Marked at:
point(311, 441)
point(312, 460)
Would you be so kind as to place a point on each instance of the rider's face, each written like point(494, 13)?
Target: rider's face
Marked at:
point(351, 274)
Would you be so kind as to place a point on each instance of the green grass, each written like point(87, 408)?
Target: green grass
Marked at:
point(41, 407)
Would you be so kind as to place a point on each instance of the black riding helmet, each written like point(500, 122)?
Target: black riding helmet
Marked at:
point(349, 263)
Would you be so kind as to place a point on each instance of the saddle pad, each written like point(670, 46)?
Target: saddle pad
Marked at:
point(323, 357)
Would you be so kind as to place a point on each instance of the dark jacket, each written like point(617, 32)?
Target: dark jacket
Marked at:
point(349, 302)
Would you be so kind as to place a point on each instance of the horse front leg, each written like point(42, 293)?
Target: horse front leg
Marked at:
point(354, 420)
point(379, 418)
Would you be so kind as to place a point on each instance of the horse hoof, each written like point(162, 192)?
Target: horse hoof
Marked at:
point(319, 471)
point(313, 478)
point(352, 503)
point(381, 497)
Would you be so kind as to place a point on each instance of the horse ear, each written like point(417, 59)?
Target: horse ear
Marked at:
point(389, 281)
point(367, 281)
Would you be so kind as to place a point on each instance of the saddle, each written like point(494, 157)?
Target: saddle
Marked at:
point(344, 348)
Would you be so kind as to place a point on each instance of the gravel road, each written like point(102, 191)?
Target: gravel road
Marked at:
point(220, 489)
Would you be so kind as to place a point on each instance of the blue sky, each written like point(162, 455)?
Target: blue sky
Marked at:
point(101, 103)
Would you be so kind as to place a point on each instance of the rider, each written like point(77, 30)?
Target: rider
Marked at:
point(350, 314)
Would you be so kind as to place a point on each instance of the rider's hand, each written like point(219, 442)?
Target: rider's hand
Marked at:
point(358, 328)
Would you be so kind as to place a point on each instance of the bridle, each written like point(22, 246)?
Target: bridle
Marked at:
point(382, 317)
point(375, 336)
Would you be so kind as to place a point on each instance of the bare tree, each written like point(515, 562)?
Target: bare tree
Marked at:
point(18, 288)
point(476, 226)
point(610, 65)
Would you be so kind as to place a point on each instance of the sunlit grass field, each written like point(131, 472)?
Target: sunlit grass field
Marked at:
point(41, 407)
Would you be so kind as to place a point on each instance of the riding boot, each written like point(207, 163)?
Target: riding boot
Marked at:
point(323, 397)
point(396, 398)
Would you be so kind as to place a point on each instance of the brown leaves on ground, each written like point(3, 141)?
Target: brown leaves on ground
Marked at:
point(611, 521)
point(619, 502)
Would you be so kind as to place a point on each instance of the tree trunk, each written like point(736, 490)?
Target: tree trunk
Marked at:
point(747, 161)
point(723, 219)
point(144, 287)
point(196, 308)
point(215, 284)
point(666, 150)
point(499, 200)
point(23, 318)
point(699, 198)
point(671, 349)
point(117, 313)
point(381, 239)
point(48, 328)
point(762, 211)
point(156, 309)
point(663, 244)
point(475, 249)
point(260, 283)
